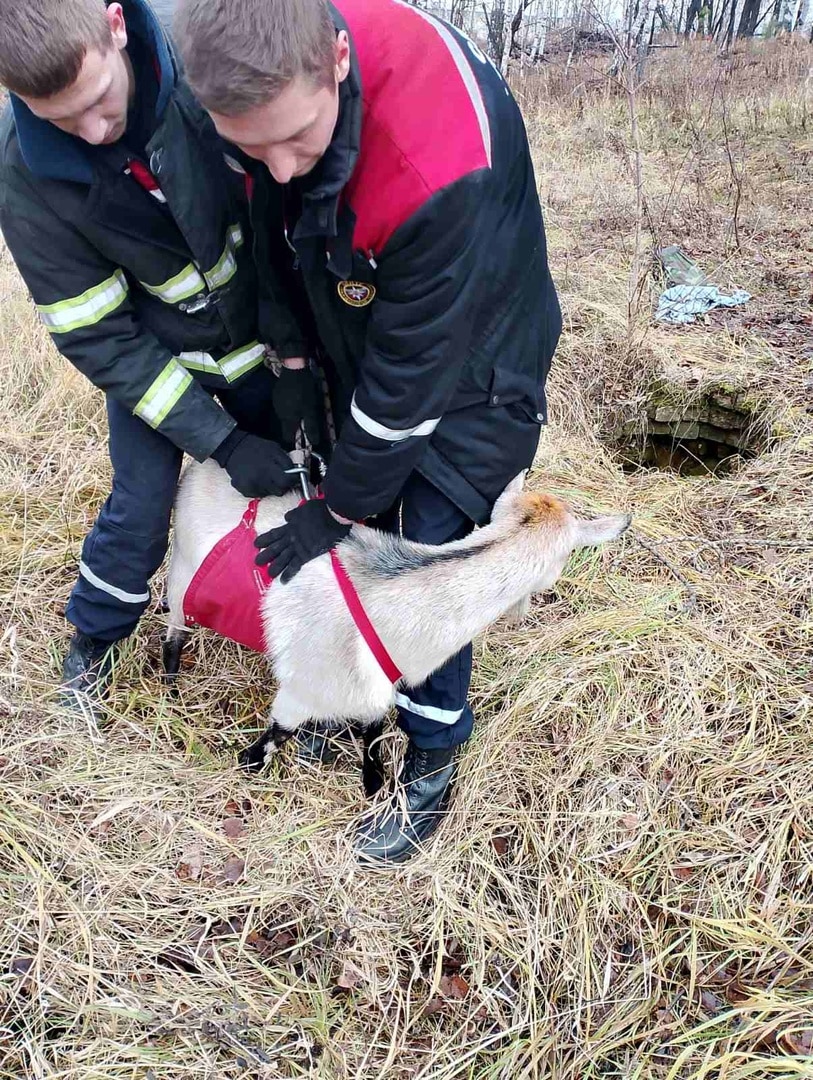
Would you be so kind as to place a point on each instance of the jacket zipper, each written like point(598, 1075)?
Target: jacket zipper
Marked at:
point(285, 232)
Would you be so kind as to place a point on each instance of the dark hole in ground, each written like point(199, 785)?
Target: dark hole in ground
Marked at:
point(707, 437)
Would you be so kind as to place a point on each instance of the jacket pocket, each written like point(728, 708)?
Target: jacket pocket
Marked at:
point(511, 388)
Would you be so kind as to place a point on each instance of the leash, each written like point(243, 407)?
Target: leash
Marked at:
point(346, 586)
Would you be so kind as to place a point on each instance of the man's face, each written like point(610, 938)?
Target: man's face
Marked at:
point(94, 107)
point(292, 132)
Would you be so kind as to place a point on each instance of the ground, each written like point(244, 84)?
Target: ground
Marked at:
point(624, 887)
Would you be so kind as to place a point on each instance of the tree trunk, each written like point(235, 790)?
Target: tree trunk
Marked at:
point(691, 15)
point(749, 17)
point(729, 37)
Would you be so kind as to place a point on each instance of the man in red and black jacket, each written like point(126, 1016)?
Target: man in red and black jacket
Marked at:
point(399, 240)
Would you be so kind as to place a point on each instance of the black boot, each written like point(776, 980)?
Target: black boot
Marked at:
point(394, 832)
point(86, 673)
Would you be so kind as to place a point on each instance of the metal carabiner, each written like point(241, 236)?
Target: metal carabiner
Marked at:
point(302, 471)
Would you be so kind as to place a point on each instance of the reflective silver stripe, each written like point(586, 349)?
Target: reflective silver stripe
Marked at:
point(242, 360)
point(428, 712)
point(105, 586)
point(182, 285)
point(466, 73)
point(88, 308)
point(200, 361)
point(164, 394)
point(226, 266)
point(379, 431)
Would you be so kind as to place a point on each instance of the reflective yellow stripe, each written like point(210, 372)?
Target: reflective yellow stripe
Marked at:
point(231, 366)
point(200, 361)
point(242, 360)
point(164, 393)
point(88, 308)
point(226, 266)
point(182, 285)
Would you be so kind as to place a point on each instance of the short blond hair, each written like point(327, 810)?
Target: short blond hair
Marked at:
point(239, 54)
point(43, 43)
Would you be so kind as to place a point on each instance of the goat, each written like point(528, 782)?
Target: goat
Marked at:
point(425, 602)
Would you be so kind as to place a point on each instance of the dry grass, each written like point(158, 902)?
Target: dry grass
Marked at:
point(625, 885)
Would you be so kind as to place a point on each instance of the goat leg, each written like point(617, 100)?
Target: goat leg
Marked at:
point(372, 768)
point(171, 656)
point(257, 756)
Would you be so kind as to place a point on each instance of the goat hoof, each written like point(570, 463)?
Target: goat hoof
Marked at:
point(256, 756)
point(372, 784)
point(372, 777)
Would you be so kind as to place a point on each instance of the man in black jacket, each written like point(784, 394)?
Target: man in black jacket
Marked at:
point(398, 171)
point(131, 233)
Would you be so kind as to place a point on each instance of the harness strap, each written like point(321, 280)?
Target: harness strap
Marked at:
point(363, 624)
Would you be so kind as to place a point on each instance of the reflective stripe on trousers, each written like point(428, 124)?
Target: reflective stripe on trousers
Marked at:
point(435, 714)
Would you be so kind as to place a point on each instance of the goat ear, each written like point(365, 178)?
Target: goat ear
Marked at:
point(600, 530)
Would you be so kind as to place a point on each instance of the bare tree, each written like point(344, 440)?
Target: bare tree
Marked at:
point(749, 18)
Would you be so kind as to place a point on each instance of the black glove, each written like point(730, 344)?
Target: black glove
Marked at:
point(311, 530)
point(296, 400)
point(256, 466)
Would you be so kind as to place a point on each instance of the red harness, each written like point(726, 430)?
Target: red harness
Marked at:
point(226, 594)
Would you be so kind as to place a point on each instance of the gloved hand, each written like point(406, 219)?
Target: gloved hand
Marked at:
point(296, 400)
point(311, 530)
point(255, 466)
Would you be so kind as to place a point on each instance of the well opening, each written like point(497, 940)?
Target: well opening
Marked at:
point(707, 436)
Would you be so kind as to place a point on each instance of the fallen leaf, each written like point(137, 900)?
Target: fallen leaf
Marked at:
point(711, 1002)
point(453, 987)
point(232, 808)
point(233, 827)
point(281, 942)
point(454, 956)
point(771, 556)
point(683, 873)
point(348, 978)
point(799, 1042)
point(500, 845)
point(631, 822)
point(799, 829)
point(666, 1018)
point(736, 993)
point(226, 927)
point(190, 866)
point(435, 1005)
point(180, 959)
point(233, 869)
point(21, 965)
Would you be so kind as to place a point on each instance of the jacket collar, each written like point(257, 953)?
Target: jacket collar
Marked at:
point(322, 187)
point(55, 154)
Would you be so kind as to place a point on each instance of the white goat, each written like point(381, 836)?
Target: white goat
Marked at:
point(425, 602)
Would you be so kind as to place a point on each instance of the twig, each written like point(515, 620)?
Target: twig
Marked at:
point(739, 541)
point(691, 599)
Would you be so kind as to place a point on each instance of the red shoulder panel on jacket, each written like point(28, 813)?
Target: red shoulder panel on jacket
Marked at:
point(424, 124)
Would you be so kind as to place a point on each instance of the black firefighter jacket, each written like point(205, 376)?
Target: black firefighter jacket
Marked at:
point(138, 257)
point(416, 268)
